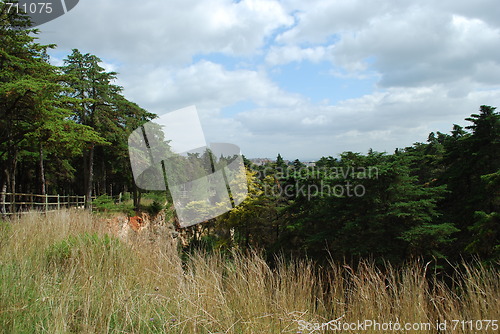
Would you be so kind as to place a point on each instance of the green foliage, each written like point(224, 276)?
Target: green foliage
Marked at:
point(437, 200)
point(34, 113)
point(427, 239)
point(252, 223)
point(53, 119)
point(126, 196)
point(156, 196)
point(471, 161)
point(105, 203)
point(153, 202)
point(155, 208)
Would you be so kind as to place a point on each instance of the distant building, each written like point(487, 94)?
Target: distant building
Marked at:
point(265, 161)
point(260, 161)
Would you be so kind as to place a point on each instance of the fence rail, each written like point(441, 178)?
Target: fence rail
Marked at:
point(18, 203)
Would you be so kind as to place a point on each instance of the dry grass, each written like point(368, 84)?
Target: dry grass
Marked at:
point(62, 273)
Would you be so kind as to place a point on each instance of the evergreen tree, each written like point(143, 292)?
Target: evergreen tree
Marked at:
point(101, 106)
point(471, 158)
point(33, 110)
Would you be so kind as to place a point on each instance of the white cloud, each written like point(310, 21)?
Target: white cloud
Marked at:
point(278, 55)
point(167, 32)
point(436, 62)
point(319, 20)
point(206, 84)
point(382, 121)
point(408, 44)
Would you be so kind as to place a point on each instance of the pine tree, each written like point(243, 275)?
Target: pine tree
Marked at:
point(33, 109)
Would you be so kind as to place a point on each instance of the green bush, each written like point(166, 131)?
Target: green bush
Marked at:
point(155, 208)
point(158, 196)
point(126, 196)
point(105, 203)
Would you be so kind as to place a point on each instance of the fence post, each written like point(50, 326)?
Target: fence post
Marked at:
point(13, 202)
point(58, 202)
point(46, 203)
point(3, 197)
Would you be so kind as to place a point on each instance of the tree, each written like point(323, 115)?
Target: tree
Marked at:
point(23, 70)
point(254, 222)
point(33, 109)
point(484, 147)
point(114, 172)
point(101, 106)
point(470, 159)
point(280, 163)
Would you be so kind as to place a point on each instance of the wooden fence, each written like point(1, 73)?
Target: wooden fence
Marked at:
point(18, 203)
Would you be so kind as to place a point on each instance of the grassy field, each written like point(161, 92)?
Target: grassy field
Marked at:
point(64, 273)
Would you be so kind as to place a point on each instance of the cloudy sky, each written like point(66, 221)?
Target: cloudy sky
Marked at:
point(303, 78)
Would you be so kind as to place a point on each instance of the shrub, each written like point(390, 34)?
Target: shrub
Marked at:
point(155, 208)
point(105, 203)
point(126, 196)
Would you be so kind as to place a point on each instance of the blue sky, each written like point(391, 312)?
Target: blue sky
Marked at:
point(304, 79)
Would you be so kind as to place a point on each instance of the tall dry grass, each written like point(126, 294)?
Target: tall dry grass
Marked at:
point(62, 273)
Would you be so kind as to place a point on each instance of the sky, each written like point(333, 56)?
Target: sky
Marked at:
point(305, 79)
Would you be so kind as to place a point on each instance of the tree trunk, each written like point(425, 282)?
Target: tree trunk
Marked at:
point(89, 178)
point(104, 188)
point(85, 172)
point(42, 171)
point(11, 178)
point(3, 190)
point(136, 194)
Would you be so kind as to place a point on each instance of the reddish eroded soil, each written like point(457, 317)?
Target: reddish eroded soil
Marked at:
point(136, 223)
point(155, 229)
